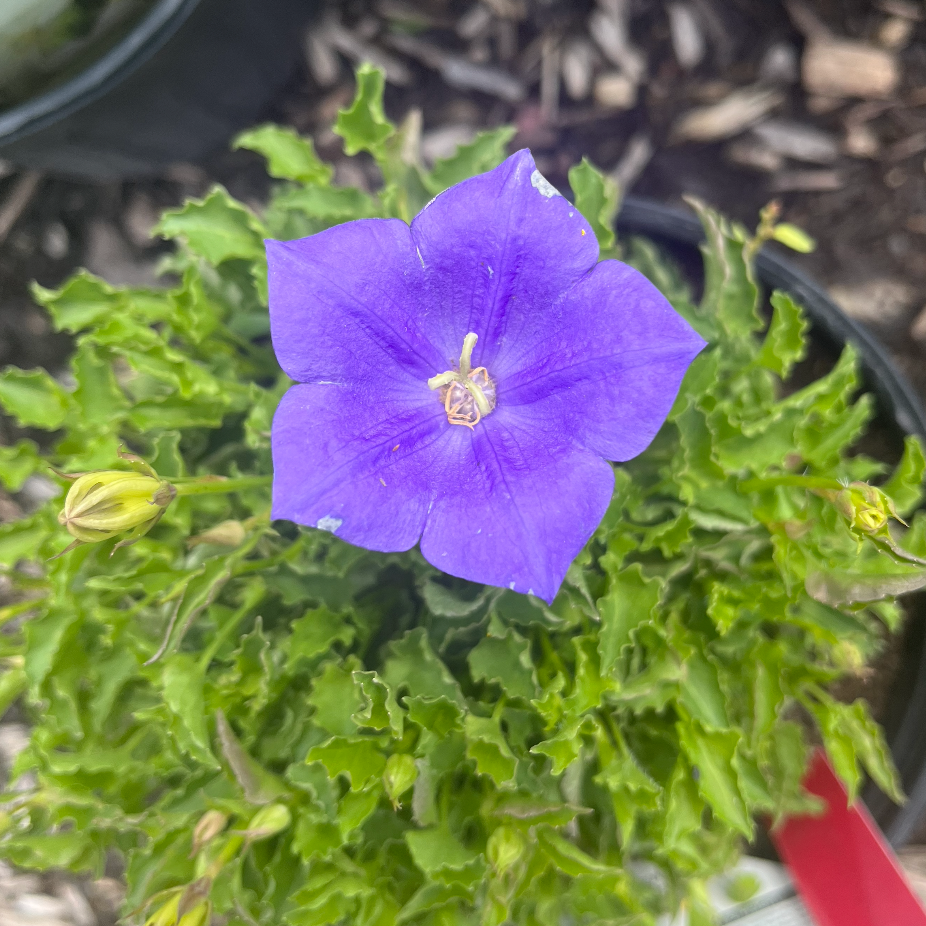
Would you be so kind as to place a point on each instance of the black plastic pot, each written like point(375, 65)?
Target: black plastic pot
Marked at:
point(178, 86)
point(900, 408)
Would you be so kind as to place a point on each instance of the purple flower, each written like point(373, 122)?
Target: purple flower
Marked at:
point(462, 381)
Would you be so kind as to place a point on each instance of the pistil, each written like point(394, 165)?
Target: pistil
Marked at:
point(468, 394)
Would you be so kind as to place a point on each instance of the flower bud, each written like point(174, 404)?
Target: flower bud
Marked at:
point(226, 534)
point(210, 824)
point(103, 504)
point(268, 821)
point(866, 508)
point(200, 915)
point(166, 914)
point(505, 847)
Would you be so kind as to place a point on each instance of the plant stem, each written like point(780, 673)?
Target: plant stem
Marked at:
point(207, 485)
point(798, 482)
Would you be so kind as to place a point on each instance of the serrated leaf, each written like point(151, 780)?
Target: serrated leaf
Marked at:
point(485, 151)
point(380, 711)
point(216, 228)
point(364, 126)
point(596, 196)
point(182, 687)
point(314, 634)
point(413, 664)
point(701, 693)
point(487, 747)
point(505, 660)
point(569, 858)
point(399, 776)
point(17, 463)
point(439, 715)
point(33, 398)
point(435, 850)
point(335, 698)
point(905, 487)
point(630, 601)
point(259, 785)
point(785, 342)
point(289, 155)
point(358, 758)
point(712, 753)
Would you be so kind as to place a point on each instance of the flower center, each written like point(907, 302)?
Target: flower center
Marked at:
point(468, 394)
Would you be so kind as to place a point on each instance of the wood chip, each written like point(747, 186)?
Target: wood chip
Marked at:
point(807, 22)
point(358, 50)
point(637, 155)
point(458, 72)
point(807, 181)
point(822, 105)
point(845, 68)
point(907, 147)
point(753, 155)
point(475, 23)
point(509, 9)
point(615, 90)
point(80, 913)
point(610, 34)
point(687, 37)
point(740, 110)
point(798, 141)
point(918, 328)
point(895, 33)
point(17, 200)
point(321, 58)
point(881, 300)
point(549, 78)
point(903, 8)
point(779, 64)
point(861, 141)
point(577, 65)
point(916, 223)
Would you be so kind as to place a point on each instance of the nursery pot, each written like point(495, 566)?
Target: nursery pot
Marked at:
point(176, 86)
point(901, 411)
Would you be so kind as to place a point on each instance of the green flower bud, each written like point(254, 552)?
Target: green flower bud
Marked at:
point(399, 776)
point(866, 508)
point(268, 821)
point(200, 915)
point(210, 824)
point(103, 504)
point(166, 915)
point(505, 847)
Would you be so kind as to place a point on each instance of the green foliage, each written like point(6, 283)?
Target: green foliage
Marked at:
point(332, 735)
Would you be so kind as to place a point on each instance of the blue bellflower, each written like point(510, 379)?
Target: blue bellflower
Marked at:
point(461, 382)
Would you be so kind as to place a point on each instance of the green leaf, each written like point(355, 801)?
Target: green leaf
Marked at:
point(259, 786)
point(182, 687)
point(44, 636)
point(701, 693)
point(358, 758)
point(905, 487)
point(596, 196)
point(216, 228)
point(569, 858)
point(487, 747)
point(399, 776)
point(793, 237)
point(414, 665)
point(289, 155)
point(33, 398)
point(83, 302)
point(364, 126)
point(436, 850)
point(486, 151)
point(786, 342)
point(380, 711)
point(631, 601)
point(507, 661)
point(712, 754)
point(439, 715)
point(335, 698)
point(17, 463)
point(314, 634)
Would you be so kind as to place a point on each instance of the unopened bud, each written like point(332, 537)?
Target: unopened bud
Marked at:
point(165, 915)
point(226, 534)
point(268, 821)
point(210, 824)
point(399, 776)
point(104, 504)
point(866, 508)
point(505, 847)
point(200, 915)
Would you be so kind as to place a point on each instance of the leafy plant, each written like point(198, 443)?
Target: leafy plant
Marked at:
point(267, 723)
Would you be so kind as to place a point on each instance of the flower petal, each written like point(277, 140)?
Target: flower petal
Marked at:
point(345, 305)
point(513, 505)
point(609, 366)
point(349, 461)
point(498, 250)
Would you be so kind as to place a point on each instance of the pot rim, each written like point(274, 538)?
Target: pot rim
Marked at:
point(110, 69)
